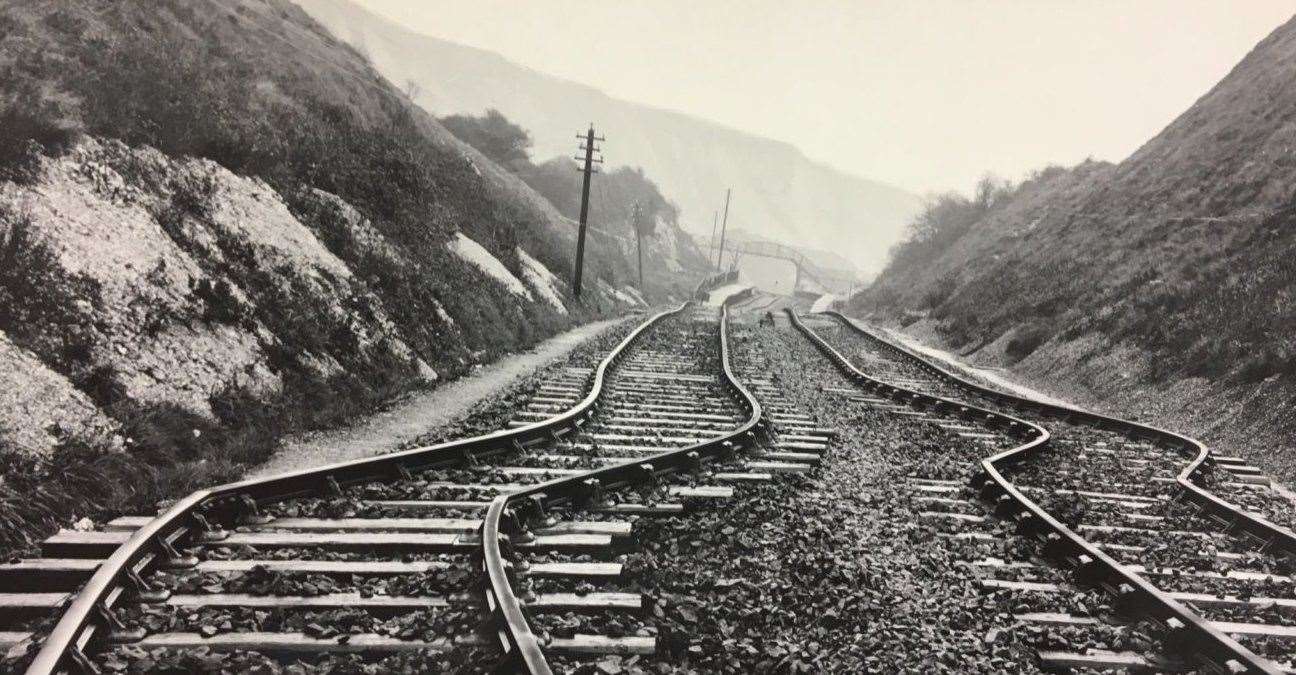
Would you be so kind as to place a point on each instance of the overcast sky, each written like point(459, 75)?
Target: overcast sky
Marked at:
point(924, 94)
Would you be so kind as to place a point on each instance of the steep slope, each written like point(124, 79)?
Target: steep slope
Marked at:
point(219, 224)
point(1170, 272)
point(778, 192)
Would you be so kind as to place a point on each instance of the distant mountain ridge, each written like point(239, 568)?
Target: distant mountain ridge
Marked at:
point(778, 192)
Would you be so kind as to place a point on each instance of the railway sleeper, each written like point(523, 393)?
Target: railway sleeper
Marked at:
point(391, 605)
point(1192, 598)
point(21, 606)
point(662, 408)
point(682, 491)
point(653, 414)
point(74, 544)
point(800, 446)
point(290, 646)
point(633, 375)
point(722, 425)
point(757, 465)
point(1232, 574)
point(593, 570)
point(465, 525)
point(688, 434)
point(805, 438)
point(1099, 660)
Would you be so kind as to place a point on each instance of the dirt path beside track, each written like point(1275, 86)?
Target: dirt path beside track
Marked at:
point(418, 413)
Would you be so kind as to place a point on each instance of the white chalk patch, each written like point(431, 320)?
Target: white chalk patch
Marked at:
point(542, 280)
point(477, 255)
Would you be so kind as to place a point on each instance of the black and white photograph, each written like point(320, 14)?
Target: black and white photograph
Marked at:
point(645, 337)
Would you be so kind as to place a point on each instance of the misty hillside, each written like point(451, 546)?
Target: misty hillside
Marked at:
point(778, 193)
point(219, 224)
point(626, 209)
point(1173, 267)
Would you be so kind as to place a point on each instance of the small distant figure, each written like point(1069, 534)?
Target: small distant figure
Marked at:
point(768, 319)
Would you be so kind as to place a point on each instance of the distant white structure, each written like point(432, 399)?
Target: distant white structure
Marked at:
point(823, 303)
point(719, 295)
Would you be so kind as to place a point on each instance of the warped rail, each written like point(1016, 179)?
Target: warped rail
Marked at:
point(1187, 631)
point(119, 562)
point(615, 477)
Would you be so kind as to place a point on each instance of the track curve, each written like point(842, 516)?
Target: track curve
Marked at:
point(1187, 629)
point(121, 578)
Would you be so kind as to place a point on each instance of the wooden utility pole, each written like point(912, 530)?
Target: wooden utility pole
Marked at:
point(723, 226)
point(589, 138)
point(715, 224)
point(634, 220)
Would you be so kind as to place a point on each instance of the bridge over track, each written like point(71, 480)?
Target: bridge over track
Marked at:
point(806, 269)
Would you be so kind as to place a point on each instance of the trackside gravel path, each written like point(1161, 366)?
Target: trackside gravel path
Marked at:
point(421, 412)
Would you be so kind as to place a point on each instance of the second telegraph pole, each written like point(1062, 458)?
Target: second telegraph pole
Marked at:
point(637, 222)
point(723, 227)
point(588, 169)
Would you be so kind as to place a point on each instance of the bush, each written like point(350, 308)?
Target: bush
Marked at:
point(939, 291)
point(82, 476)
point(1025, 341)
point(493, 135)
point(220, 305)
point(36, 296)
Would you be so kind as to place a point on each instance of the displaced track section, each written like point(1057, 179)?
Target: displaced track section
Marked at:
point(1156, 579)
point(428, 557)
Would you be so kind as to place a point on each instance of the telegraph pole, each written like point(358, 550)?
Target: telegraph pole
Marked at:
point(715, 224)
point(589, 138)
point(723, 226)
point(634, 220)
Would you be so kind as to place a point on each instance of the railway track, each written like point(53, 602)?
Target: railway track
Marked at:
point(1100, 531)
point(484, 550)
point(1118, 546)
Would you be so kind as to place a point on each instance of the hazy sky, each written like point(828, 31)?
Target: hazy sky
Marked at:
point(924, 94)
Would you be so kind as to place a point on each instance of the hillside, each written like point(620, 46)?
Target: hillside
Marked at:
point(627, 212)
point(219, 224)
point(1162, 284)
point(778, 193)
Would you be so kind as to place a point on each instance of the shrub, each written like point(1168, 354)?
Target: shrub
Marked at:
point(81, 477)
point(37, 298)
point(492, 134)
point(1025, 341)
point(939, 291)
point(220, 305)
point(909, 318)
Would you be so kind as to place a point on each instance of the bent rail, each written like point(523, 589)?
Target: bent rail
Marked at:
point(1134, 593)
point(517, 638)
point(1234, 518)
point(156, 542)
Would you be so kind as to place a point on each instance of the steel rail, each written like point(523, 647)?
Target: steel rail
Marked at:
point(1235, 518)
point(519, 640)
point(156, 542)
point(1135, 595)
